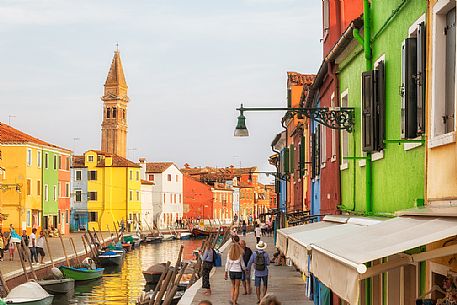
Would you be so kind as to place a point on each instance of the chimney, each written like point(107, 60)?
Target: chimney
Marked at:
point(143, 168)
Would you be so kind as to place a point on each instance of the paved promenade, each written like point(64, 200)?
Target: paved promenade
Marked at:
point(11, 269)
point(284, 282)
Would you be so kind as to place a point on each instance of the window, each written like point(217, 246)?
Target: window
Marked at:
point(92, 195)
point(92, 175)
point(60, 162)
point(130, 195)
point(55, 192)
point(90, 158)
point(38, 158)
point(29, 187)
point(66, 216)
point(443, 72)
point(46, 192)
point(171, 198)
point(38, 187)
point(55, 162)
point(29, 218)
point(29, 157)
point(114, 112)
point(163, 198)
point(67, 189)
point(46, 160)
point(67, 163)
point(130, 175)
point(108, 113)
point(326, 17)
point(137, 176)
point(177, 178)
point(373, 108)
point(138, 195)
point(78, 175)
point(169, 177)
point(78, 195)
point(93, 216)
point(344, 134)
point(179, 198)
point(151, 177)
point(289, 97)
point(323, 148)
point(174, 198)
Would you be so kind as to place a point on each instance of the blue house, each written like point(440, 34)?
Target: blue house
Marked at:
point(78, 198)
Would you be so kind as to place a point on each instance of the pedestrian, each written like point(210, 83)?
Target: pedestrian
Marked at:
point(258, 233)
point(244, 228)
point(207, 265)
point(260, 260)
point(32, 246)
point(40, 246)
point(11, 248)
point(234, 267)
point(2, 246)
point(246, 278)
point(14, 238)
point(205, 302)
point(25, 238)
point(270, 299)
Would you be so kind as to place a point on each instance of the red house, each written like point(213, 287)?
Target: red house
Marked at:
point(198, 199)
point(64, 194)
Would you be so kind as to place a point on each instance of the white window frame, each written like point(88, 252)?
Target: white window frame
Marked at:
point(80, 195)
point(29, 157)
point(46, 160)
point(67, 190)
point(80, 172)
point(437, 135)
point(325, 18)
point(323, 143)
point(332, 105)
point(344, 135)
point(55, 193)
point(46, 192)
point(39, 158)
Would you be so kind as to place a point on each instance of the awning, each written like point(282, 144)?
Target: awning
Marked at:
point(339, 262)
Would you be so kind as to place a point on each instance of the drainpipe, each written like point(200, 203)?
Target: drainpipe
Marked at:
point(287, 185)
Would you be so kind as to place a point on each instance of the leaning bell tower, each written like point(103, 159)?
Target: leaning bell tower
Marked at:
point(115, 101)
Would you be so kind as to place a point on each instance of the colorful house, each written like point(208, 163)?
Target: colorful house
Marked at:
point(150, 212)
point(64, 178)
point(113, 191)
point(78, 197)
point(222, 202)
point(28, 198)
point(198, 199)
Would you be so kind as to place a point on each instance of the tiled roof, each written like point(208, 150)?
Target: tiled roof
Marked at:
point(298, 79)
point(78, 161)
point(10, 135)
point(157, 167)
point(147, 182)
point(118, 161)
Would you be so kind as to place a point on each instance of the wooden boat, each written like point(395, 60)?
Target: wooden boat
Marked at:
point(168, 237)
point(153, 273)
point(146, 298)
point(133, 239)
point(185, 235)
point(81, 274)
point(203, 233)
point(127, 247)
point(30, 293)
point(61, 286)
point(110, 258)
point(153, 239)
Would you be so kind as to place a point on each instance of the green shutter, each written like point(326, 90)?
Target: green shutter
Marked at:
point(286, 168)
point(292, 157)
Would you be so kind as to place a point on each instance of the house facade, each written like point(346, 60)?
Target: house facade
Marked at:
point(222, 202)
point(198, 199)
point(150, 212)
point(64, 190)
point(78, 197)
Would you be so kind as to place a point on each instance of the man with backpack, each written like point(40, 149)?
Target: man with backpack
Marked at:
point(260, 260)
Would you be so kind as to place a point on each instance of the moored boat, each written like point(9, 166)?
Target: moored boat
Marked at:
point(30, 293)
point(81, 274)
point(110, 258)
point(153, 273)
point(153, 239)
point(168, 237)
point(203, 233)
point(185, 235)
point(60, 286)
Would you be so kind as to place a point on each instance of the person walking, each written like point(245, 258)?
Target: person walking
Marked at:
point(260, 260)
point(244, 228)
point(32, 246)
point(207, 265)
point(258, 233)
point(246, 277)
point(40, 246)
point(14, 239)
point(2, 246)
point(234, 267)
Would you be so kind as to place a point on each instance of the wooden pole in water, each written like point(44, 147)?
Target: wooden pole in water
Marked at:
point(149, 227)
point(97, 240)
point(49, 248)
point(163, 287)
point(76, 253)
point(110, 234)
point(101, 236)
point(117, 231)
point(64, 249)
point(178, 260)
point(21, 258)
point(92, 239)
point(25, 254)
point(3, 282)
point(85, 248)
point(94, 254)
point(162, 276)
point(171, 294)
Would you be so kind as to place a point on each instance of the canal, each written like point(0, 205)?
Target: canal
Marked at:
point(124, 285)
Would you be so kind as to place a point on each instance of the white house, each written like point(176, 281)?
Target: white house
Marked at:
point(150, 212)
point(167, 190)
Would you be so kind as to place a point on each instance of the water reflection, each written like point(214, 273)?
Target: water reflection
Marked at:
point(122, 285)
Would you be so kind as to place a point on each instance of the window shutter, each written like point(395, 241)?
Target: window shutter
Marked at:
point(289, 98)
point(409, 94)
point(380, 104)
point(302, 156)
point(367, 111)
point(285, 161)
point(292, 158)
point(316, 152)
point(420, 78)
point(450, 71)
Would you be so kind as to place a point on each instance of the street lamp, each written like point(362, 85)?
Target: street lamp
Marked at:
point(335, 118)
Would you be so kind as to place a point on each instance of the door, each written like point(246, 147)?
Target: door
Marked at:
point(62, 223)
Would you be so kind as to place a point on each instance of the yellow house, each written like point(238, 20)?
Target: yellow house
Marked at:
point(21, 157)
point(113, 190)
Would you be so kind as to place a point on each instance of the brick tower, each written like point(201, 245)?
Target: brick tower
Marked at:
point(115, 100)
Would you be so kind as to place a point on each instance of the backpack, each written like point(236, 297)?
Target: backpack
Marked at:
point(260, 264)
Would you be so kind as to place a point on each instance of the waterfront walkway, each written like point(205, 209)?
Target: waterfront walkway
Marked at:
point(284, 282)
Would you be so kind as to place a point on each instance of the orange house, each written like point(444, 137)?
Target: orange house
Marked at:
point(198, 199)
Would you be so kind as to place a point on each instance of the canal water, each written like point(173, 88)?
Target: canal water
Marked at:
point(124, 285)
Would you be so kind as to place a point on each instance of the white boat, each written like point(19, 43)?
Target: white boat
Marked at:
point(30, 293)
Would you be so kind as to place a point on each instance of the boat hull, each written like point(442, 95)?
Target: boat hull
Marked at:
point(153, 239)
point(151, 278)
point(45, 301)
point(62, 286)
point(110, 260)
point(81, 274)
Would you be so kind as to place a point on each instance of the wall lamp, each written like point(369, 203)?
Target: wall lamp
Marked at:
point(334, 118)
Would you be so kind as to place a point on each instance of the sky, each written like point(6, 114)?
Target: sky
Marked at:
point(188, 65)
